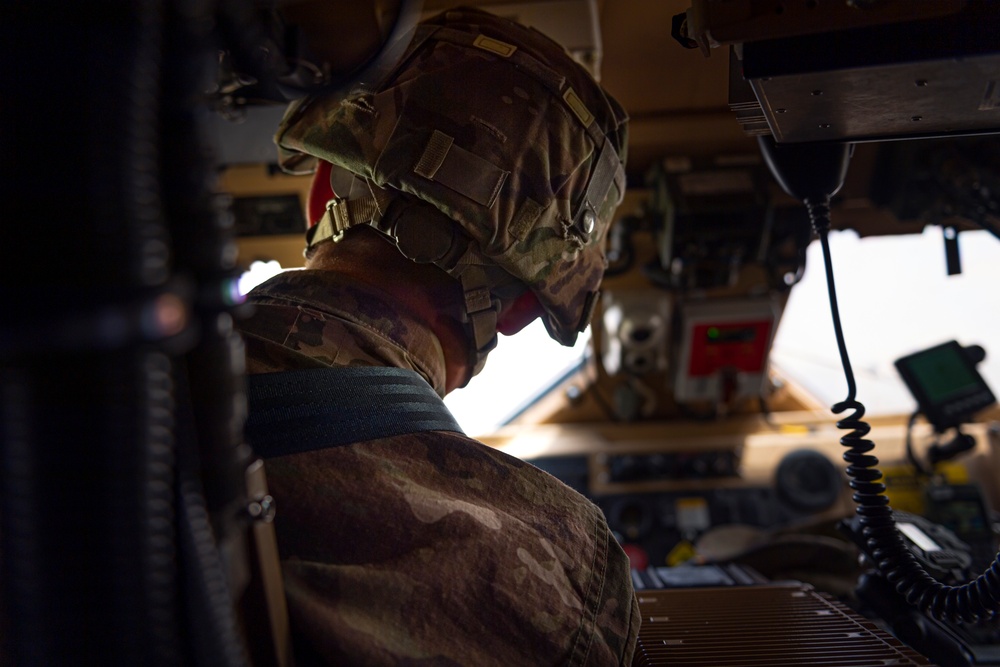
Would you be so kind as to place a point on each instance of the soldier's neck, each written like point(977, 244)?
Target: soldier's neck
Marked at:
point(422, 293)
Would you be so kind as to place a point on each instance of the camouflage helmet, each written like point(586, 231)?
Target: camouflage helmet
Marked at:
point(490, 125)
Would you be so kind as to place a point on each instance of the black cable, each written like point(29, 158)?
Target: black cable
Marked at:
point(89, 567)
point(962, 442)
point(216, 636)
point(813, 173)
point(278, 73)
point(970, 602)
point(910, 455)
point(212, 458)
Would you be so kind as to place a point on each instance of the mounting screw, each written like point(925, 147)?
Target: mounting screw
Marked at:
point(262, 510)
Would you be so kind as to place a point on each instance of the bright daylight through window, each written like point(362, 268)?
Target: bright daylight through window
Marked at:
point(895, 299)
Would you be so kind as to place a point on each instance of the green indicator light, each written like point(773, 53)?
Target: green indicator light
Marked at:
point(713, 332)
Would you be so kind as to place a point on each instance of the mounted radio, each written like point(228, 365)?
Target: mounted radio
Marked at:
point(946, 384)
point(724, 349)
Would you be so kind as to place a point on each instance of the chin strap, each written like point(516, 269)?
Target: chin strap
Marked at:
point(426, 236)
point(481, 312)
point(341, 214)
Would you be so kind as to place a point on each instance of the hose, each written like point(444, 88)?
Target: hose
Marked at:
point(99, 518)
point(86, 482)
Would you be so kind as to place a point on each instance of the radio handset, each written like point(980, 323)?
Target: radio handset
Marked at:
point(813, 173)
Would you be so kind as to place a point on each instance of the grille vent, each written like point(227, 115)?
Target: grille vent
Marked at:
point(777, 624)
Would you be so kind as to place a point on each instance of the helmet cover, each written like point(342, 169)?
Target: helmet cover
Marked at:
point(498, 128)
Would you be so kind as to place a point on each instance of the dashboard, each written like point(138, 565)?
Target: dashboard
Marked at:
point(675, 492)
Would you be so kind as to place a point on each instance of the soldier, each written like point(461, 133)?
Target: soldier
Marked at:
point(467, 192)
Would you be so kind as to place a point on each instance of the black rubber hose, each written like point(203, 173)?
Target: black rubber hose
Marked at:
point(216, 640)
point(211, 456)
point(89, 561)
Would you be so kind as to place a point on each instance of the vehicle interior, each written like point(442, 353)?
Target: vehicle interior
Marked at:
point(711, 411)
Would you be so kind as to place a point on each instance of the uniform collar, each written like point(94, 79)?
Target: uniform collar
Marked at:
point(341, 322)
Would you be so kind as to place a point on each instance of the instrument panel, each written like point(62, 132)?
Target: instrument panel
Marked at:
point(673, 493)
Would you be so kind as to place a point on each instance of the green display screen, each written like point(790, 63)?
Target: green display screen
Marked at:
point(942, 372)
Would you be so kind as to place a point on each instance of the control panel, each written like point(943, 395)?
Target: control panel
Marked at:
point(688, 493)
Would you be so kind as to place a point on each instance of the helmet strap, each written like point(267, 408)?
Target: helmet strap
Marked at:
point(481, 312)
point(423, 236)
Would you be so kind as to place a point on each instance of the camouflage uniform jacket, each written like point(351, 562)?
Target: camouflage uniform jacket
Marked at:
point(430, 548)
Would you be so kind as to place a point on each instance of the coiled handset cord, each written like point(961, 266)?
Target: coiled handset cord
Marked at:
point(813, 173)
